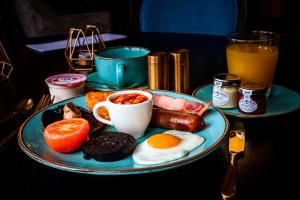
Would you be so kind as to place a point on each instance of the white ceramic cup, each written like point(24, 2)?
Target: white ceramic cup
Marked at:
point(132, 119)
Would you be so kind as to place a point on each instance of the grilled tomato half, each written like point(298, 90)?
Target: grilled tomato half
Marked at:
point(67, 135)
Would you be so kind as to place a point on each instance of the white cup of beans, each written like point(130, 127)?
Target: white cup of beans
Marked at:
point(130, 111)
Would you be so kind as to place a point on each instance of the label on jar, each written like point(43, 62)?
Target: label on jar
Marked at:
point(247, 95)
point(220, 98)
point(246, 104)
point(218, 85)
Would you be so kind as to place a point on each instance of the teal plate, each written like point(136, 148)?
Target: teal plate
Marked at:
point(92, 80)
point(31, 141)
point(281, 101)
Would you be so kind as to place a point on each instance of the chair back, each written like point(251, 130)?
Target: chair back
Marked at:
point(211, 17)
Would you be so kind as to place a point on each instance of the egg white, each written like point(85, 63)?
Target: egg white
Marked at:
point(144, 154)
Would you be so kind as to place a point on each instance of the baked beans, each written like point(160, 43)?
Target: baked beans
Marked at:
point(133, 98)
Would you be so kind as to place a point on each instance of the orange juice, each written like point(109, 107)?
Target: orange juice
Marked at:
point(252, 62)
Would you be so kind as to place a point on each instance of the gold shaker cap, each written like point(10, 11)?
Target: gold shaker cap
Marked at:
point(156, 57)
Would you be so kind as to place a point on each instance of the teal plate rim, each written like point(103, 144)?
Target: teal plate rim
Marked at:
point(240, 115)
point(145, 169)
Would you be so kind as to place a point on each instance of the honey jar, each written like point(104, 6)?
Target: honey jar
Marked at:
point(225, 90)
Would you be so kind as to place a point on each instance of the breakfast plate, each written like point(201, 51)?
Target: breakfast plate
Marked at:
point(31, 141)
point(281, 101)
point(92, 81)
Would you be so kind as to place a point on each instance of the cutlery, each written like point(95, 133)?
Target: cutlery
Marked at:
point(21, 108)
point(236, 147)
point(44, 102)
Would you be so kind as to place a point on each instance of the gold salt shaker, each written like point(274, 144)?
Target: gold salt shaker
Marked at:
point(181, 70)
point(158, 70)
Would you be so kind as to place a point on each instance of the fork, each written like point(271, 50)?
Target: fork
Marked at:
point(45, 101)
point(236, 148)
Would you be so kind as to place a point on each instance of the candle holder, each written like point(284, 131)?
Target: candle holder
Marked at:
point(5, 63)
point(79, 53)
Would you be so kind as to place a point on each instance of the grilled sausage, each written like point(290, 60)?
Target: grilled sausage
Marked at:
point(176, 120)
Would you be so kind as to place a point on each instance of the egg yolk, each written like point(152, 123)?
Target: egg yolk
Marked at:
point(163, 141)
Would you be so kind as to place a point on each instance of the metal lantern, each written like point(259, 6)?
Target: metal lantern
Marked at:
point(82, 46)
point(92, 33)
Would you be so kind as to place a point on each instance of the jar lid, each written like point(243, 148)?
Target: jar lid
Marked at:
point(255, 88)
point(66, 80)
point(228, 79)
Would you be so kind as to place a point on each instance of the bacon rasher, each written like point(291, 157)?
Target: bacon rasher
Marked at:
point(179, 104)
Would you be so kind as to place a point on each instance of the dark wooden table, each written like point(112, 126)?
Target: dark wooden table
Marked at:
point(267, 170)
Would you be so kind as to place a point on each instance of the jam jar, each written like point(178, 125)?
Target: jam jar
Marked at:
point(252, 98)
point(225, 90)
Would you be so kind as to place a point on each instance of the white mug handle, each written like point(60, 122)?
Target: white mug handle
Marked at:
point(99, 118)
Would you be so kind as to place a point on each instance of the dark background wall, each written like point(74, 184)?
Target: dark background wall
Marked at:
point(276, 15)
point(11, 25)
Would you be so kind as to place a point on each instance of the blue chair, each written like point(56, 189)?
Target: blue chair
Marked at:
point(211, 17)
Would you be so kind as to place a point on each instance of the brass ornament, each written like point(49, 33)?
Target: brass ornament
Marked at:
point(5, 63)
point(79, 53)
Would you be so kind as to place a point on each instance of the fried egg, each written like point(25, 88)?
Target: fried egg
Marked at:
point(165, 147)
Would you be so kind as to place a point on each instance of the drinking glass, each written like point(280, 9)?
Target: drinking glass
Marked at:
point(253, 56)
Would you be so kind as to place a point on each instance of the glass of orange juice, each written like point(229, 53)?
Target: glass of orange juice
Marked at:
point(253, 56)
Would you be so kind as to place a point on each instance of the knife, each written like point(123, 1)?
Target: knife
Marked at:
point(236, 147)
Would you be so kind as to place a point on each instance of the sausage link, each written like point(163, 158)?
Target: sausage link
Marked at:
point(175, 120)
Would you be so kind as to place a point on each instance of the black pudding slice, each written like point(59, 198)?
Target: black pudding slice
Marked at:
point(109, 146)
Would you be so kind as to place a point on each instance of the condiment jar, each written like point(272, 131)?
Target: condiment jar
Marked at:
point(65, 86)
point(225, 90)
point(252, 98)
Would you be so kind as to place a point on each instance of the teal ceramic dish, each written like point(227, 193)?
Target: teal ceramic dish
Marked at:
point(92, 81)
point(281, 101)
point(31, 141)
